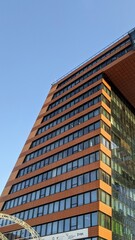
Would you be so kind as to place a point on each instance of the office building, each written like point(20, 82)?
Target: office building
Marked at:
point(75, 176)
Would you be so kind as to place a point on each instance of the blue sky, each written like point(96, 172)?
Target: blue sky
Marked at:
point(41, 40)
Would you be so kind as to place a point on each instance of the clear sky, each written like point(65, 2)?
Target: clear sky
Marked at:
point(41, 40)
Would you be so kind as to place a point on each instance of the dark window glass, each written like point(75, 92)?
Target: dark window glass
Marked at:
point(80, 222)
point(60, 226)
point(87, 220)
point(94, 219)
point(67, 225)
point(73, 223)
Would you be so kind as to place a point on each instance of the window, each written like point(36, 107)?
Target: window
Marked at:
point(50, 208)
point(87, 221)
point(55, 227)
point(86, 178)
point(87, 198)
point(60, 226)
point(74, 182)
point(94, 196)
point(80, 222)
point(93, 176)
point(94, 219)
point(56, 206)
point(67, 225)
point(73, 223)
point(80, 200)
point(57, 187)
point(62, 205)
point(49, 228)
point(74, 201)
point(45, 209)
point(68, 203)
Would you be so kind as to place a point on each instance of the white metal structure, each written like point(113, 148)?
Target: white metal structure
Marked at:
point(2, 236)
point(20, 222)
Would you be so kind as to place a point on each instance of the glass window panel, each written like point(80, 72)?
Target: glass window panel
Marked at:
point(64, 169)
point(49, 175)
point(80, 222)
point(38, 229)
point(70, 138)
point(57, 187)
point(33, 196)
point(47, 191)
point(54, 172)
point(30, 213)
point(94, 196)
point(94, 219)
point(44, 176)
point(86, 144)
point(87, 198)
point(108, 200)
point(91, 127)
point(37, 194)
point(49, 228)
point(80, 147)
point(69, 167)
point(97, 155)
point(87, 221)
point(58, 171)
point(74, 201)
point(92, 158)
point(69, 184)
point(68, 203)
point(56, 206)
point(55, 227)
point(45, 209)
point(96, 139)
point(67, 225)
point(80, 133)
point(75, 149)
point(80, 200)
point(60, 226)
point(103, 196)
point(63, 186)
point(108, 222)
point(74, 164)
point(21, 215)
point(80, 180)
point(86, 160)
point(86, 130)
point(73, 223)
point(93, 176)
point(91, 142)
point(85, 118)
point(62, 205)
point(74, 182)
point(35, 212)
point(51, 208)
point(40, 211)
point(86, 178)
point(80, 162)
point(52, 189)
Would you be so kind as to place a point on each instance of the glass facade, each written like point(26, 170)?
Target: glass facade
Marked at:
point(123, 168)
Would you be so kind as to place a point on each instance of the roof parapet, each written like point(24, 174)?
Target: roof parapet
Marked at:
point(105, 48)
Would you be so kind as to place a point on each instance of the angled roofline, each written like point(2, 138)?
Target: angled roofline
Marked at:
point(130, 33)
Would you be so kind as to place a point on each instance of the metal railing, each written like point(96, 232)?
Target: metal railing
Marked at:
point(96, 54)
